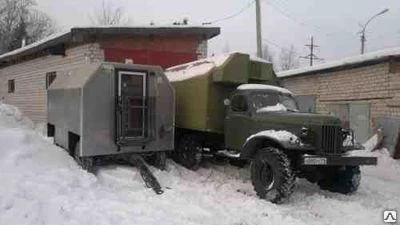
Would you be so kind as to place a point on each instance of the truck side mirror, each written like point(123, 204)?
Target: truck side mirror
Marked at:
point(227, 102)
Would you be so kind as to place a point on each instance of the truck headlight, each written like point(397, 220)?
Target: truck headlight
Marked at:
point(304, 132)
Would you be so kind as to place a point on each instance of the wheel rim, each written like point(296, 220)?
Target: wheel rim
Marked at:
point(267, 176)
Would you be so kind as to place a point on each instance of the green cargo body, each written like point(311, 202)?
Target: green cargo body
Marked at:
point(202, 86)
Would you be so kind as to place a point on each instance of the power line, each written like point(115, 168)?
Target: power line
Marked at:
point(231, 16)
point(292, 18)
point(273, 43)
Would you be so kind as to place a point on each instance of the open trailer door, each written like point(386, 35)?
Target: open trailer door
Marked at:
point(131, 116)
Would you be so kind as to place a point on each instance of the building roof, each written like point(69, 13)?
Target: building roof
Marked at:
point(78, 34)
point(349, 62)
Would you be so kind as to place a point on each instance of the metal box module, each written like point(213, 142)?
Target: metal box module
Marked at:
point(201, 87)
point(107, 109)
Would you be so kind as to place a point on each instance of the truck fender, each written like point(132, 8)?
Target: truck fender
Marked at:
point(255, 143)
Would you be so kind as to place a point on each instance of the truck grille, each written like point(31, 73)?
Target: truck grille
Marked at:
point(331, 139)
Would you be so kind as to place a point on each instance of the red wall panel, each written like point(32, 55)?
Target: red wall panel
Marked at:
point(164, 59)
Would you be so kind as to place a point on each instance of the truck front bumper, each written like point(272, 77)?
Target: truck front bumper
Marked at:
point(314, 160)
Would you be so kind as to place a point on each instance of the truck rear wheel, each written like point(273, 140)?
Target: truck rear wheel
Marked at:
point(272, 175)
point(188, 152)
point(344, 180)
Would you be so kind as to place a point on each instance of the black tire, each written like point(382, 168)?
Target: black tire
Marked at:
point(87, 163)
point(188, 152)
point(272, 175)
point(240, 163)
point(344, 180)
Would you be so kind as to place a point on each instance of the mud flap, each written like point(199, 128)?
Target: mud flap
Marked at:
point(148, 177)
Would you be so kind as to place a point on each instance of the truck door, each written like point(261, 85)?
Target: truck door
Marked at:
point(237, 122)
point(132, 104)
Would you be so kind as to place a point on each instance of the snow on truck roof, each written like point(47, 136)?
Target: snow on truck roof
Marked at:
point(201, 67)
point(263, 87)
point(348, 61)
point(196, 68)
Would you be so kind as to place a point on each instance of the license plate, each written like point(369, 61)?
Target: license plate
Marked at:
point(315, 161)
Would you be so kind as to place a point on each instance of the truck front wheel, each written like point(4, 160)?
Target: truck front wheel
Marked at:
point(272, 175)
point(344, 180)
point(188, 152)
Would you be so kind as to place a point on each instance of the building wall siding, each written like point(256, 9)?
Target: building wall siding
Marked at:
point(373, 84)
point(30, 78)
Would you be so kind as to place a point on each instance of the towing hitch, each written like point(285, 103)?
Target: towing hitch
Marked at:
point(149, 179)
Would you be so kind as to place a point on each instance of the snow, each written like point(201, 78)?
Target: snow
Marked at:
point(371, 143)
point(35, 44)
point(345, 61)
point(196, 68)
point(263, 87)
point(276, 108)
point(41, 184)
point(258, 59)
point(282, 135)
point(201, 67)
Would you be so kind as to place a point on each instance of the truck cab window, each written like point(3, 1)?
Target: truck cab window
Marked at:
point(263, 99)
point(239, 103)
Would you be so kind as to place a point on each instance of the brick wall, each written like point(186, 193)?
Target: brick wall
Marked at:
point(30, 78)
point(374, 84)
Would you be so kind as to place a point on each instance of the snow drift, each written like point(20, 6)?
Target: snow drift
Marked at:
point(41, 184)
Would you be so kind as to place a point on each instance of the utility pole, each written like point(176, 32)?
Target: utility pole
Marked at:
point(258, 25)
point(312, 56)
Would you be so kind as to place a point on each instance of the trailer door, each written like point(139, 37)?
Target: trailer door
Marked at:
point(131, 117)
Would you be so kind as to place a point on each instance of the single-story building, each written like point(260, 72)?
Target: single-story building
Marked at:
point(26, 73)
point(364, 91)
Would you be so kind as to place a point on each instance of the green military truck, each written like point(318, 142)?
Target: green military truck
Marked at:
point(231, 106)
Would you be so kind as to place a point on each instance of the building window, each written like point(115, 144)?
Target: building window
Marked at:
point(11, 86)
point(50, 77)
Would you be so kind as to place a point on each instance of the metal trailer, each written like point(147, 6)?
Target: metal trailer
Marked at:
point(110, 110)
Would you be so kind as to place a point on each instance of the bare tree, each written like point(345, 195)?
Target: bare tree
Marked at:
point(19, 20)
point(288, 58)
point(108, 14)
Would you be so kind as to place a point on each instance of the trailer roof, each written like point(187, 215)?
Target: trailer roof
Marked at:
point(79, 34)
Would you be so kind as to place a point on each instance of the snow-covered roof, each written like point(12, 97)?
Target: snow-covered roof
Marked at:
point(202, 67)
point(372, 56)
point(263, 87)
point(61, 37)
point(196, 68)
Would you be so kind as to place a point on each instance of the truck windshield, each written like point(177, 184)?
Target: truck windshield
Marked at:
point(266, 101)
point(289, 102)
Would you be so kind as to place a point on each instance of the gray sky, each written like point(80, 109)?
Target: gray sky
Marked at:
point(334, 24)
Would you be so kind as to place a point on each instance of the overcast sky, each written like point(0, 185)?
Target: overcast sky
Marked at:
point(334, 24)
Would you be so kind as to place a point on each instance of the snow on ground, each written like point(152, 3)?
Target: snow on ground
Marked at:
point(41, 184)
